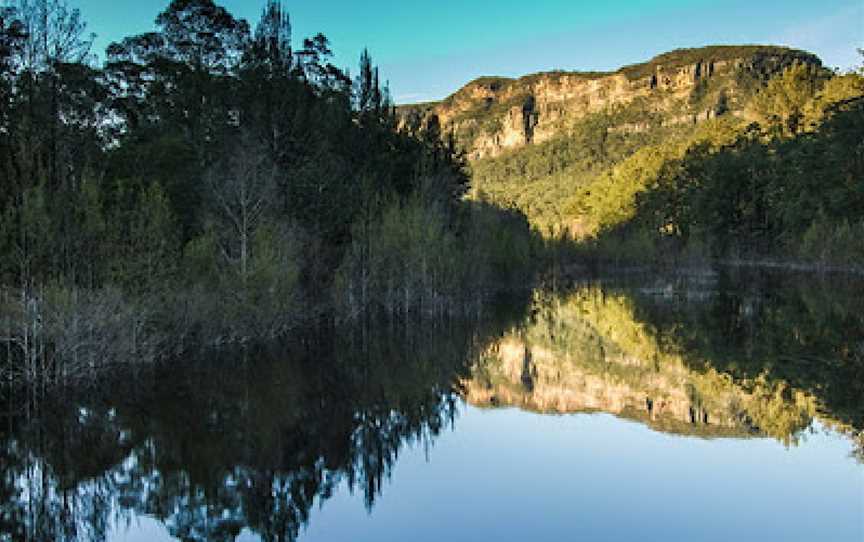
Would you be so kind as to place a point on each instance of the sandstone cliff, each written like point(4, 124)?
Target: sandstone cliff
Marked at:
point(491, 115)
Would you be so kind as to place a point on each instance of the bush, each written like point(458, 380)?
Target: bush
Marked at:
point(406, 261)
point(60, 335)
point(831, 244)
point(219, 305)
point(410, 261)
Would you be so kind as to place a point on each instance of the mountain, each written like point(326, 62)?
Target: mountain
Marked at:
point(492, 115)
point(719, 152)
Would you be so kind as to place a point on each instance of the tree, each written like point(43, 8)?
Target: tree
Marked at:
point(271, 46)
point(241, 189)
point(12, 38)
point(153, 238)
point(781, 103)
point(203, 36)
point(32, 237)
point(181, 75)
point(273, 96)
point(368, 98)
point(55, 41)
point(314, 62)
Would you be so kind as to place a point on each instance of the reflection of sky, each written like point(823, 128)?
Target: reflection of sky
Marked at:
point(428, 50)
point(511, 475)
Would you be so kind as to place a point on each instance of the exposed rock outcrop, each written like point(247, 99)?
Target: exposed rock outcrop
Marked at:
point(491, 115)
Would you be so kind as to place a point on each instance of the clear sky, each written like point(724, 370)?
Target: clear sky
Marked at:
point(427, 50)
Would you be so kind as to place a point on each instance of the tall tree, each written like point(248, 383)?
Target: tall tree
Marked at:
point(781, 103)
point(181, 74)
point(241, 190)
point(271, 45)
point(56, 40)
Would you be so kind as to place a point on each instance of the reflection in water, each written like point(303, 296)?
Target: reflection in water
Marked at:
point(257, 440)
point(699, 356)
point(234, 442)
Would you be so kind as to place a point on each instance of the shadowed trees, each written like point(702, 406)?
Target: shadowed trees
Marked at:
point(785, 187)
point(211, 175)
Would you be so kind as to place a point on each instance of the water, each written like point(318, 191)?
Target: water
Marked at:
point(701, 407)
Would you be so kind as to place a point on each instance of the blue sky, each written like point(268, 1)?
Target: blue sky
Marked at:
point(427, 50)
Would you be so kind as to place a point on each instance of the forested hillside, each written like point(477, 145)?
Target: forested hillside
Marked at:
point(788, 185)
point(729, 152)
point(214, 183)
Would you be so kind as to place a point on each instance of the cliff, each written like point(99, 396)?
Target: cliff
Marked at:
point(492, 114)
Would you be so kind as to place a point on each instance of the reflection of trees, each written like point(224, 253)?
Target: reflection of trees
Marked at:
point(247, 441)
point(805, 334)
point(256, 440)
point(713, 359)
point(43, 460)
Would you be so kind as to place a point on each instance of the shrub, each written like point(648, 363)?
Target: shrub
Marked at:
point(832, 244)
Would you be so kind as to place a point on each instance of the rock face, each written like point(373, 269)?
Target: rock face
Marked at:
point(491, 115)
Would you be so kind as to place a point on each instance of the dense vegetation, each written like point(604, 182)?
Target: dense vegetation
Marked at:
point(773, 168)
point(717, 53)
point(789, 185)
point(214, 184)
point(546, 180)
point(541, 179)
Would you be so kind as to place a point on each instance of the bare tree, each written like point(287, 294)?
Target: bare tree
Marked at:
point(242, 188)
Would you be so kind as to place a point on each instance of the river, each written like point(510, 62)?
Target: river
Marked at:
point(698, 406)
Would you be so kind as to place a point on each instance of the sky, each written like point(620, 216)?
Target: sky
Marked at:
point(428, 50)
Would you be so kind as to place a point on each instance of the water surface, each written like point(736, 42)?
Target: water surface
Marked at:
point(710, 406)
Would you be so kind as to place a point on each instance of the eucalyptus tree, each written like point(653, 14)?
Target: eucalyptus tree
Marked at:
point(183, 69)
point(51, 122)
point(241, 189)
point(12, 36)
point(55, 48)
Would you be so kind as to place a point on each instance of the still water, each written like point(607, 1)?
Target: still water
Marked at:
point(709, 406)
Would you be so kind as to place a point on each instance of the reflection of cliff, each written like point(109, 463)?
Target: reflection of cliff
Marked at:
point(587, 352)
point(567, 387)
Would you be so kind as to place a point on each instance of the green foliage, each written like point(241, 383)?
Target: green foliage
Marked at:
point(782, 102)
point(732, 190)
point(579, 181)
point(408, 256)
point(613, 198)
point(152, 244)
point(717, 53)
point(502, 248)
point(411, 260)
point(35, 226)
point(215, 176)
point(221, 305)
point(831, 244)
point(541, 179)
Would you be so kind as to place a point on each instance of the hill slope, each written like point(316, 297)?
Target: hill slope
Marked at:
point(748, 151)
point(492, 115)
